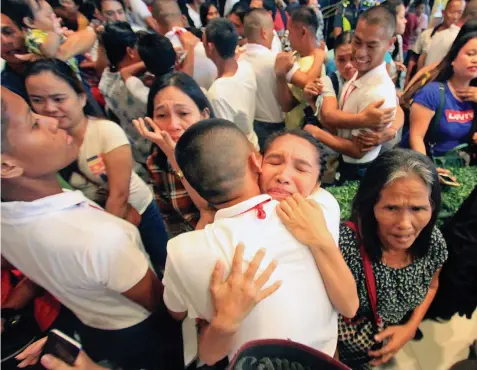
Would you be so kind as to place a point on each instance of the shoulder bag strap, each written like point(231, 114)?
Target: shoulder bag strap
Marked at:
point(430, 138)
point(369, 276)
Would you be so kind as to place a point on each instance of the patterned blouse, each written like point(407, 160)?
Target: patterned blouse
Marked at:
point(399, 291)
point(177, 208)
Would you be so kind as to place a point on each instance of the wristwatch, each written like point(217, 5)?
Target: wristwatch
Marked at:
point(179, 174)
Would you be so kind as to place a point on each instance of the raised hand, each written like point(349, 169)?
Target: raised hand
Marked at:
point(157, 136)
point(235, 297)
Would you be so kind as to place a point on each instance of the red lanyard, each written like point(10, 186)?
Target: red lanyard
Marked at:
point(347, 93)
point(261, 214)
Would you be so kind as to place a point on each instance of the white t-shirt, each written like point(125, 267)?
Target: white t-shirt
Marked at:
point(101, 137)
point(300, 310)
point(233, 98)
point(358, 93)
point(205, 71)
point(440, 45)
point(137, 89)
point(276, 43)
point(229, 4)
point(422, 41)
point(262, 60)
point(195, 17)
point(139, 12)
point(82, 255)
point(126, 107)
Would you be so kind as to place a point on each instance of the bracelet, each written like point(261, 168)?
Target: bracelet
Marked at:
point(178, 174)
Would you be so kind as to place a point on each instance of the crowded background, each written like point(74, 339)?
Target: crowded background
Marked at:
point(186, 183)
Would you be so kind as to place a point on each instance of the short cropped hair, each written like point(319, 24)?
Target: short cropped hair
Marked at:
point(255, 20)
point(117, 37)
point(380, 16)
point(223, 34)
point(240, 9)
point(213, 156)
point(17, 10)
point(152, 45)
point(305, 16)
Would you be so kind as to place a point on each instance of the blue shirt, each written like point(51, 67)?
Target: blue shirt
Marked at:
point(456, 121)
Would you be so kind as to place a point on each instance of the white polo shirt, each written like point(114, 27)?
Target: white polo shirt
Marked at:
point(262, 60)
point(440, 44)
point(82, 255)
point(299, 310)
point(358, 93)
point(205, 71)
point(233, 98)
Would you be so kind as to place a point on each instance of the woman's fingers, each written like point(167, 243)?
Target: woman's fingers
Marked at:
point(237, 261)
point(34, 349)
point(152, 124)
point(286, 208)
point(217, 277)
point(283, 216)
point(269, 291)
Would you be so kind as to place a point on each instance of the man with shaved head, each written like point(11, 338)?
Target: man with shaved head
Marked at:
point(269, 117)
point(226, 174)
point(171, 23)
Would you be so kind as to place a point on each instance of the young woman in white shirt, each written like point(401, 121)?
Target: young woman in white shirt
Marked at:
point(103, 170)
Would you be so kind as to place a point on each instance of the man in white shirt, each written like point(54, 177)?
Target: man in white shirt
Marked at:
point(372, 38)
point(441, 42)
point(171, 24)
point(232, 95)
point(76, 251)
point(269, 117)
point(139, 16)
point(226, 174)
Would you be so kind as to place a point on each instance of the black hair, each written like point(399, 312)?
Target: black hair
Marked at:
point(392, 5)
point(377, 176)
point(419, 3)
point(217, 172)
point(150, 46)
point(117, 37)
point(240, 9)
point(204, 11)
point(306, 16)
point(223, 34)
point(99, 4)
point(298, 132)
point(183, 82)
point(344, 38)
point(382, 16)
point(444, 70)
point(271, 6)
point(64, 72)
point(17, 10)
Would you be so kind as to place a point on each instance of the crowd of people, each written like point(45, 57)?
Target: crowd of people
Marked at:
point(166, 162)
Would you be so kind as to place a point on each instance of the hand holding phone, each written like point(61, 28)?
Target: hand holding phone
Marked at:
point(61, 346)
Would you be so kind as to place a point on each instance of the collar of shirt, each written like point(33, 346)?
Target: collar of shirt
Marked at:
point(57, 202)
point(368, 77)
point(256, 49)
point(175, 31)
point(241, 207)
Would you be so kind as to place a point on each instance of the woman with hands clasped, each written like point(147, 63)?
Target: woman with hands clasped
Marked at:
point(393, 218)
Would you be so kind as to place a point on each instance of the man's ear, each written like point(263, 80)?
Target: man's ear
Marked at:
point(255, 161)
point(29, 22)
point(131, 52)
point(185, 23)
point(10, 169)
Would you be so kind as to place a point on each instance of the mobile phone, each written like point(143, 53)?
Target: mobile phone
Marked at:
point(61, 346)
point(448, 180)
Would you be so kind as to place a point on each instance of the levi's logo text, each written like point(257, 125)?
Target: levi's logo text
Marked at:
point(459, 116)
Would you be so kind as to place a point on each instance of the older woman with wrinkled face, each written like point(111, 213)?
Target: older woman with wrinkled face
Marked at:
point(393, 218)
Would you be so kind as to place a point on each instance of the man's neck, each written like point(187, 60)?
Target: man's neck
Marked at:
point(174, 23)
point(248, 193)
point(356, 3)
point(29, 190)
point(125, 63)
point(226, 67)
point(460, 23)
point(307, 48)
point(361, 74)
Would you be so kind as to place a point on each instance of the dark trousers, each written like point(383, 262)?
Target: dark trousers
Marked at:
point(265, 129)
point(154, 236)
point(350, 171)
point(155, 343)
